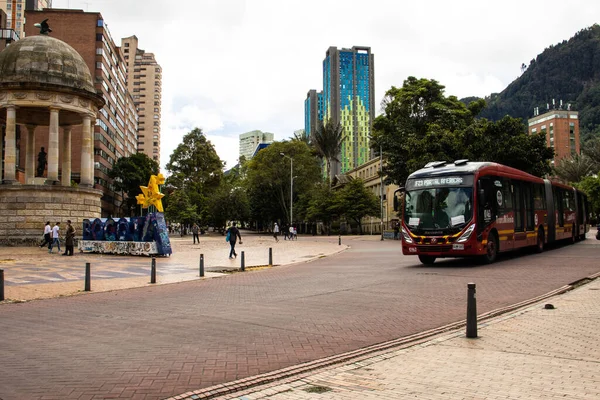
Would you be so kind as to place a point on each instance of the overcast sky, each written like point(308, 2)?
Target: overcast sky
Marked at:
point(232, 66)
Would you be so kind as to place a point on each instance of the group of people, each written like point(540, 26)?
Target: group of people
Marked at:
point(52, 237)
point(288, 233)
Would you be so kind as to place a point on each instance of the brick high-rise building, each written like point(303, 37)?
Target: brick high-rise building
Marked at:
point(115, 132)
point(144, 81)
point(561, 128)
point(15, 10)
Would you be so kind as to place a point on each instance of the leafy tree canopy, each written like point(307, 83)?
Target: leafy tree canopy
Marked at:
point(355, 201)
point(128, 174)
point(420, 124)
point(268, 179)
point(196, 168)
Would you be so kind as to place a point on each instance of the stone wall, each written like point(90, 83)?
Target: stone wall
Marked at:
point(24, 210)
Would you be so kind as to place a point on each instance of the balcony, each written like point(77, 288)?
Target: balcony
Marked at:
point(9, 35)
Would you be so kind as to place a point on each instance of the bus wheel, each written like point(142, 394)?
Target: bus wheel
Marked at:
point(491, 249)
point(539, 247)
point(427, 260)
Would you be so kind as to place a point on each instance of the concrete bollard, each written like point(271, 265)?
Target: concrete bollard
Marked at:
point(243, 265)
point(340, 240)
point(471, 311)
point(270, 256)
point(88, 278)
point(1, 285)
point(153, 271)
point(201, 265)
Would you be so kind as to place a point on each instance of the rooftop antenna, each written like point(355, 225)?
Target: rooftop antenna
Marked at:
point(568, 106)
point(87, 6)
point(560, 107)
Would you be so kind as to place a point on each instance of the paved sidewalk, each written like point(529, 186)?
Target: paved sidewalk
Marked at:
point(532, 353)
point(31, 273)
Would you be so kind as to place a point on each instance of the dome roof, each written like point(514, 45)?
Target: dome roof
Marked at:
point(42, 59)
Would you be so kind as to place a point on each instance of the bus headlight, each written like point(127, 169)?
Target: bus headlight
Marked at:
point(467, 235)
point(406, 236)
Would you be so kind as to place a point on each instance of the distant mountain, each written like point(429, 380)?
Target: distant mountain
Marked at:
point(568, 71)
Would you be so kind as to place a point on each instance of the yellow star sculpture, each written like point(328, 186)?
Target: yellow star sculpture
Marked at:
point(151, 195)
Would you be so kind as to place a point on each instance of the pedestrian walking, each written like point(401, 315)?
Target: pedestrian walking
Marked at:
point(232, 234)
point(69, 239)
point(195, 230)
point(55, 238)
point(47, 235)
point(295, 233)
point(276, 232)
point(397, 231)
point(285, 233)
point(291, 230)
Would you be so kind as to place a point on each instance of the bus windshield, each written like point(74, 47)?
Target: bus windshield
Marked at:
point(442, 208)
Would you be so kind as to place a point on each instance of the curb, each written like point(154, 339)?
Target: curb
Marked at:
point(407, 341)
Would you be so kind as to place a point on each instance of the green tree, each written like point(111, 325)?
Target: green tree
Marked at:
point(321, 205)
point(196, 169)
point(574, 169)
point(328, 141)
point(128, 174)
point(229, 202)
point(591, 149)
point(420, 124)
point(180, 209)
point(268, 179)
point(590, 185)
point(354, 201)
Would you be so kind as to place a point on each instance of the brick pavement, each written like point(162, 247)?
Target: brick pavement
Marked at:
point(31, 273)
point(157, 341)
point(532, 353)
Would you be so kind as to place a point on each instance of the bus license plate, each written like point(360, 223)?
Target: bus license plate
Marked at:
point(458, 246)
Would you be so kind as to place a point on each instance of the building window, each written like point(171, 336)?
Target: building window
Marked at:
point(126, 44)
point(100, 23)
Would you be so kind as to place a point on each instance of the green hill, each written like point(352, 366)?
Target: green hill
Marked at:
point(568, 71)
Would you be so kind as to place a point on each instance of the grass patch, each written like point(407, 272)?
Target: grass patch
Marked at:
point(317, 389)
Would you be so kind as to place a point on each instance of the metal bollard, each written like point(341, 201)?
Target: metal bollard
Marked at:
point(340, 240)
point(1, 285)
point(88, 278)
point(270, 256)
point(243, 266)
point(153, 272)
point(201, 265)
point(471, 311)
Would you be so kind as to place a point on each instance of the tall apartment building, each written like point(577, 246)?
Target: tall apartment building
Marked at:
point(7, 35)
point(115, 133)
point(313, 111)
point(561, 128)
point(15, 10)
point(144, 81)
point(347, 98)
point(250, 140)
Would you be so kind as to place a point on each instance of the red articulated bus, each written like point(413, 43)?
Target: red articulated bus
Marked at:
point(481, 209)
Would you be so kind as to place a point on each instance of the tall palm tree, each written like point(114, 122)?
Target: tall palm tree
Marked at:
point(328, 142)
point(574, 169)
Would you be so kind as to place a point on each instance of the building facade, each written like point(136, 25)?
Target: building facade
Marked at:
point(15, 10)
point(561, 128)
point(115, 130)
point(313, 111)
point(7, 35)
point(249, 141)
point(348, 99)
point(144, 81)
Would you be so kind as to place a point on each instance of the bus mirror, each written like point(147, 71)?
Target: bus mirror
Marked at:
point(396, 200)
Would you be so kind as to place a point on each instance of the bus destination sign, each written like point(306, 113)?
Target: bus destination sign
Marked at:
point(447, 181)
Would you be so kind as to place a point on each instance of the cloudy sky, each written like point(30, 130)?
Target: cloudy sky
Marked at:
point(232, 66)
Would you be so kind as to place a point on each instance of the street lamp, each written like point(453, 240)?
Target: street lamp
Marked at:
point(291, 187)
point(381, 184)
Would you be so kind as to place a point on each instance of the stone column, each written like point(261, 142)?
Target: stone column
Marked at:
point(66, 161)
point(10, 153)
point(87, 159)
point(53, 148)
point(30, 166)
